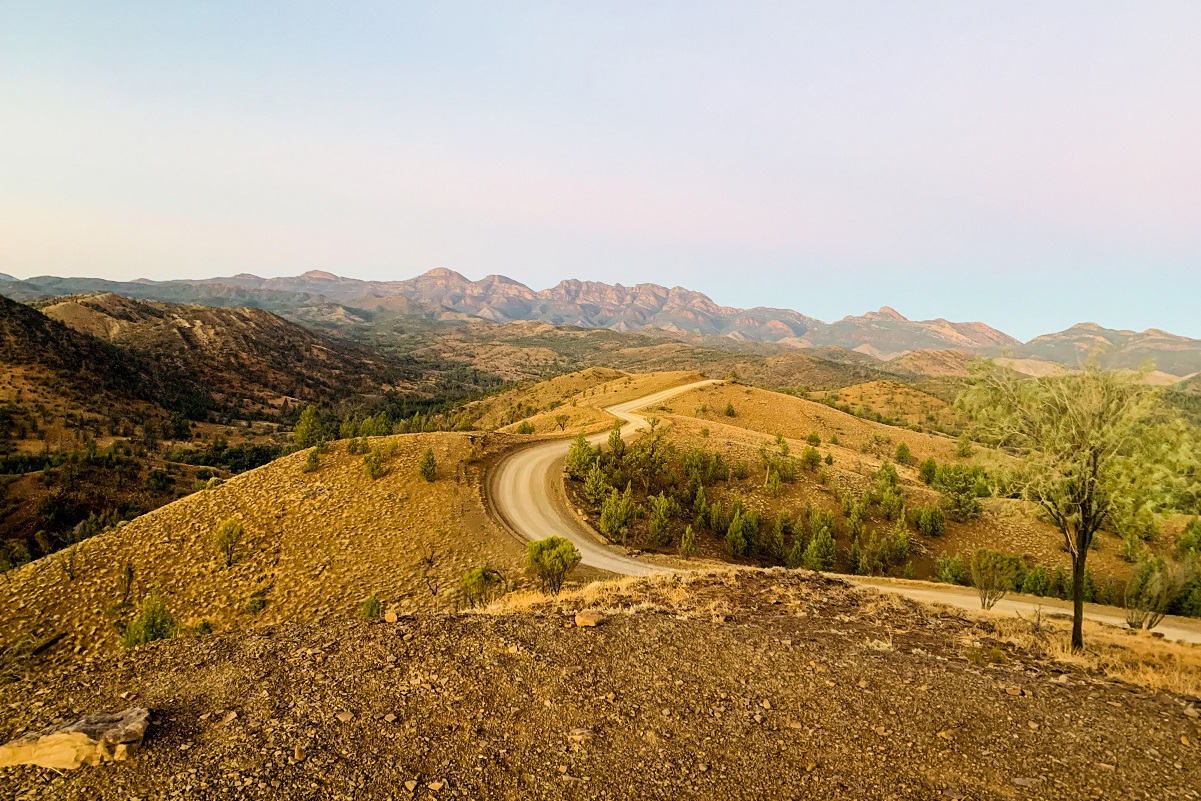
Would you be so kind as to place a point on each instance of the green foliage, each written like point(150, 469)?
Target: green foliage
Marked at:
point(688, 543)
point(930, 521)
point(730, 412)
point(810, 458)
point(617, 445)
point(740, 533)
point(525, 427)
point(903, 454)
point(892, 503)
point(596, 485)
point(309, 431)
point(551, 560)
point(312, 462)
point(963, 446)
point(774, 485)
point(927, 470)
point(617, 513)
point(1037, 581)
point(958, 485)
point(822, 551)
point(373, 464)
point(372, 608)
point(951, 570)
point(1189, 544)
point(482, 585)
point(227, 539)
point(1151, 588)
point(203, 628)
point(663, 509)
point(814, 439)
point(741, 470)
point(580, 457)
point(561, 421)
point(994, 574)
point(154, 623)
point(829, 460)
point(428, 468)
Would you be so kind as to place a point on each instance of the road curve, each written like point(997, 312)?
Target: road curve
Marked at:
point(526, 490)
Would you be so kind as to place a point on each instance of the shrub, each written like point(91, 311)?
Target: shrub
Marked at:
point(688, 543)
point(963, 446)
point(428, 467)
point(822, 551)
point(993, 574)
point(662, 509)
point(903, 454)
point(730, 409)
point(737, 542)
point(312, 462)
point(482, 585)
point(886, 477)
point(810, 458)
point(774, 485)
point(154, 623)
point(372, 608)
point(308, 431)
point(617, 513)
point(1037, 581)
point(741, 469)
point(1148, 593)
point(596, 486)
point(958, 485)
point(814, 439)
point(823, 476)
point(551, 560)
point(892, 503)
point(951, 570)
point(1189, 543)
point(227, 539)
point(930, 521)
point(561, 421)
point(580, 457)
point(525, 427)
point(373, 464)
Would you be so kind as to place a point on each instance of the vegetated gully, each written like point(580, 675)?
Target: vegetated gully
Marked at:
point(526, 493)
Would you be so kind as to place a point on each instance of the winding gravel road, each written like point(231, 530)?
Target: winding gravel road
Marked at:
point(526, 490)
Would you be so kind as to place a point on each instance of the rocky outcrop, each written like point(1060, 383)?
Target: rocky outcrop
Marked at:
point(107, 737)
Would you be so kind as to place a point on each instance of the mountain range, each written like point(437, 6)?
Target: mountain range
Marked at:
point(445, 295)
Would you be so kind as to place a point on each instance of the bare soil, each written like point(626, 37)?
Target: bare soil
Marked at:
point(741, 684)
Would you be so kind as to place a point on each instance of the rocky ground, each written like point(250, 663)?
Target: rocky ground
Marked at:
point(746, 684)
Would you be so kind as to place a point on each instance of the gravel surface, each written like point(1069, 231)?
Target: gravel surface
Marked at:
point(748, 684)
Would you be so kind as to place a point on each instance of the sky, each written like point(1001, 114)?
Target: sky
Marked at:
point(1027, 164)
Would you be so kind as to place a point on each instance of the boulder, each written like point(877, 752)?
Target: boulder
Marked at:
point(589, 618)
point(107, 737)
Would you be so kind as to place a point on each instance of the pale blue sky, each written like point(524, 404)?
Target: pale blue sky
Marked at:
point(1026, 164)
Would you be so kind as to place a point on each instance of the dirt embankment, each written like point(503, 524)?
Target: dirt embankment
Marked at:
point(748, 684)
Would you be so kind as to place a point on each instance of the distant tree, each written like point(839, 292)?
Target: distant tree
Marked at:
point(814, 439)
point(308, 431)
point(927, 471)
point(373, 465)
point(903, 454)
point(822, 551)
point(428, 467)
point(963, 446)
point(663, 509)
point(561, 421)
point(829, 459)
point(551, 560)
point(526, 427)
point(1087, 441)
point(154, 623)
point(951, 570)
point(596, 485)
point(736, 539)
point(227, 539)
point(1036, 581)
point(993, 575)
point(730, 409)
point(580, 457)
point(957, 483)
point(617, 513)
point(930, 521)
point(810, 458)
point(688, 543)
point(617, 445)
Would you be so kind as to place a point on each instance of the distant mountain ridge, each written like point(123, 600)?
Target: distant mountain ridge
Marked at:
point(319, 296)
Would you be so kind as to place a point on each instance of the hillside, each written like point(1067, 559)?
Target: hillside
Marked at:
point(316, 544)
point(713, 685)
point(1175, 355)
point(251, 359)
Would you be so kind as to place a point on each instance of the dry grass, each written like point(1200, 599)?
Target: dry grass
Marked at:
point(895, 400)
point(1124, 655)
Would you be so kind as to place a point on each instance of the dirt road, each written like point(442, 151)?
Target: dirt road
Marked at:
point(526, 490)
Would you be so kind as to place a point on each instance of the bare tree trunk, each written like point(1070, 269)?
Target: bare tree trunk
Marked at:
point(1078, 592)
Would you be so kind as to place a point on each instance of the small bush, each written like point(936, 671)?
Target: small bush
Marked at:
point(227, 539)
point(154, 623)
point(959, 487)
point(930, 521)
point(482, 585)
point(551, 560)
point(963, 446)
point(688, 543)
point(373, 465)
point(951, 570)
point(372, 608)
point(580, 457)
point(741, 469)
point(810, 458)
point(892, 503)
point(428, 467)
point(312, 462)
point(202, 629)
point(814, 439)
point(903, 454)
point(829, 458)
point(822, 551)
point(774, 486)
point(617, 513)
point(1037, 581)
point(927, 471)
point(526, 427)
point(993, 574)
point(730, 409)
